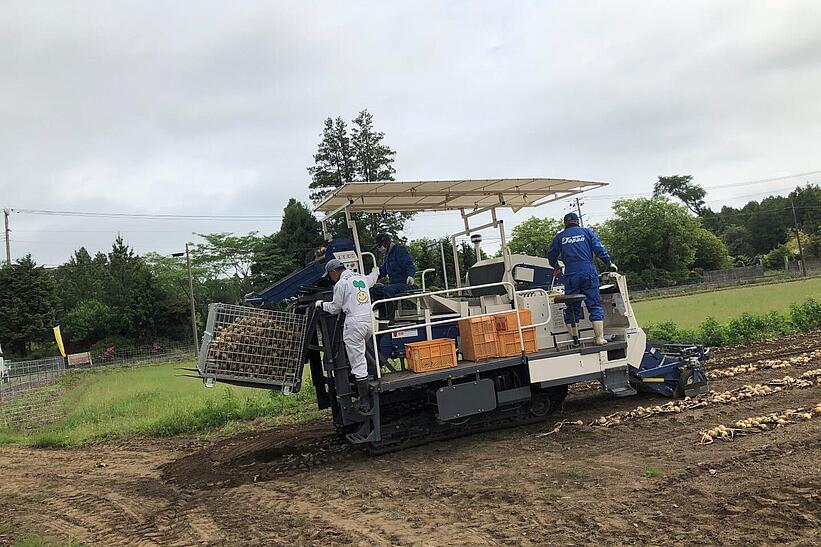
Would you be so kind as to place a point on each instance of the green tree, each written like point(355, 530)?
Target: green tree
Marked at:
point(711, 252)
point(774, 260)
point(80, 279)
point(334, 161)
point(299, 234)
point(683, 188)
point(807, 201)
point(361, 157)
point(425, 253)
point(209, 286)
point(652, 239)
point(737, 239)
point(373, 160)
point(227, 255)
point(270, 263)
point(132, 294)
point(27, 305)
point(87, 323)
point(768, 223)
point(534, 236)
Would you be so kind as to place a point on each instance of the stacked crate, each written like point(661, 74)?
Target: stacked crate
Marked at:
point(435, 354)
point(507, 333)
point(478, 338)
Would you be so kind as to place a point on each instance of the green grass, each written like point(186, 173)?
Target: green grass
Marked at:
point(155, 401)
point(650, 472)
point(39, 541)
point(690, 311)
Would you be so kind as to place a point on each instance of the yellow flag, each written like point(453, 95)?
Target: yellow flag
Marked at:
point(59, 338)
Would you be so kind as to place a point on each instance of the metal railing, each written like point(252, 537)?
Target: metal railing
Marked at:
point(29, 395)
point(424, 273)
point(428, 323)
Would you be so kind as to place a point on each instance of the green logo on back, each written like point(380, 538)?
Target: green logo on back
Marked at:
point(359, 284)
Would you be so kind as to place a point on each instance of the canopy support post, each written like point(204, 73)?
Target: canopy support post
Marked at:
point(355, 234)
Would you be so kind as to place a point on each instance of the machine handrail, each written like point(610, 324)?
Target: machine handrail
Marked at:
point(424, 272)
point(373, 258)
point(429, 323)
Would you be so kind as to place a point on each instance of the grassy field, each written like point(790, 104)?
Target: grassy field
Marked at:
point(156, 401)
point(689, 311)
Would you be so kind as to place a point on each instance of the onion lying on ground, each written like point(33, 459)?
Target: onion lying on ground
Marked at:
point(807, 379)
point(758, 423)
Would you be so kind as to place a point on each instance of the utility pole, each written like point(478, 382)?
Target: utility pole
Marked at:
point(8, 242)
point(193, 307)
point(798, 237)
point(576, 204)
point(190, 296)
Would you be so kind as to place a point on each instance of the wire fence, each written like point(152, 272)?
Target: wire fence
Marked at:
point(30, 390)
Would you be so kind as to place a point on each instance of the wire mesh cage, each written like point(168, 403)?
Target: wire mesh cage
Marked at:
point(253, 345)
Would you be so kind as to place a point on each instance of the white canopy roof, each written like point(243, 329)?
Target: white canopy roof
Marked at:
point(444, 195)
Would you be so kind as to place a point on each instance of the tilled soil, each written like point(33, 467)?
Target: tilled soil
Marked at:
point(645, 481)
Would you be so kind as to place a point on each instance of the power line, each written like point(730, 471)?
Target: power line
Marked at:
point(126, 231)
point(146, 216)
point(771, 179)
point(713, 187)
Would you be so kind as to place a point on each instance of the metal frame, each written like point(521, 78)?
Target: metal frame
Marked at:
point(449, 193)
point(440, 195)
point(427, 324)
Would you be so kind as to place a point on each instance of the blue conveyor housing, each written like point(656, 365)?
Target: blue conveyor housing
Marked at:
point(309, 275)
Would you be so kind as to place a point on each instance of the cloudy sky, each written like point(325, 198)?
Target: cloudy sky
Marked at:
point(215, 108)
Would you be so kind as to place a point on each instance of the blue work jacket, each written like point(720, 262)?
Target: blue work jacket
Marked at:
point(398, 265)
point(577, 246)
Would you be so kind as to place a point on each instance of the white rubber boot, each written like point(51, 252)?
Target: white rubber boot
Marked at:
point(598, 333)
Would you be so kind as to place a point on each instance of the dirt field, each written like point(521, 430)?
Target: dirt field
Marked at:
point(644, 481)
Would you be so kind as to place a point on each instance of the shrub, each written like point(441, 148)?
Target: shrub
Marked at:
point(712, 333)
point(803, 317)
point(807, 316)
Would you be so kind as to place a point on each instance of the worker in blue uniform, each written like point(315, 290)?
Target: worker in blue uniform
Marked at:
point(397, 266)
point(577, 248)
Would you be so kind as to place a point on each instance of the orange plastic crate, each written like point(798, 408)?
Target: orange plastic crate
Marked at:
point(478, 338)
point(507, 321)
point(431, 354)
point(508, 342)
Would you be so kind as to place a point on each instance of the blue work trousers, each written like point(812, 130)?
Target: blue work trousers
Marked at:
point(586, 283)
point(378, 292)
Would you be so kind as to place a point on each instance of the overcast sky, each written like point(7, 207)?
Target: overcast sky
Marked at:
point(216, 107)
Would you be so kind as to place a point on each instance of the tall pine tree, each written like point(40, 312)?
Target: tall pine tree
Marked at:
point(333, 161)
point(27, 306)
point(360, 157)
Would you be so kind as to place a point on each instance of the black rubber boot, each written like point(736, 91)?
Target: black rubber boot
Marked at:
point(363, 389)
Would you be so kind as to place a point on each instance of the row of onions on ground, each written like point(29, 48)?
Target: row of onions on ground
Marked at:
point(757, 424)
point(766, 364)
point(724, 358)
point(807, 379)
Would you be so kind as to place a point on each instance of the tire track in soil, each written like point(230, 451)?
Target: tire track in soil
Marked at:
point(508, 486)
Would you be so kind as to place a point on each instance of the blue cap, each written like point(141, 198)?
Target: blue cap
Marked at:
point(333, 264)
point(571, 218)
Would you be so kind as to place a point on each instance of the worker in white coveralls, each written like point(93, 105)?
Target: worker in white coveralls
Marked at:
point(351, 295)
